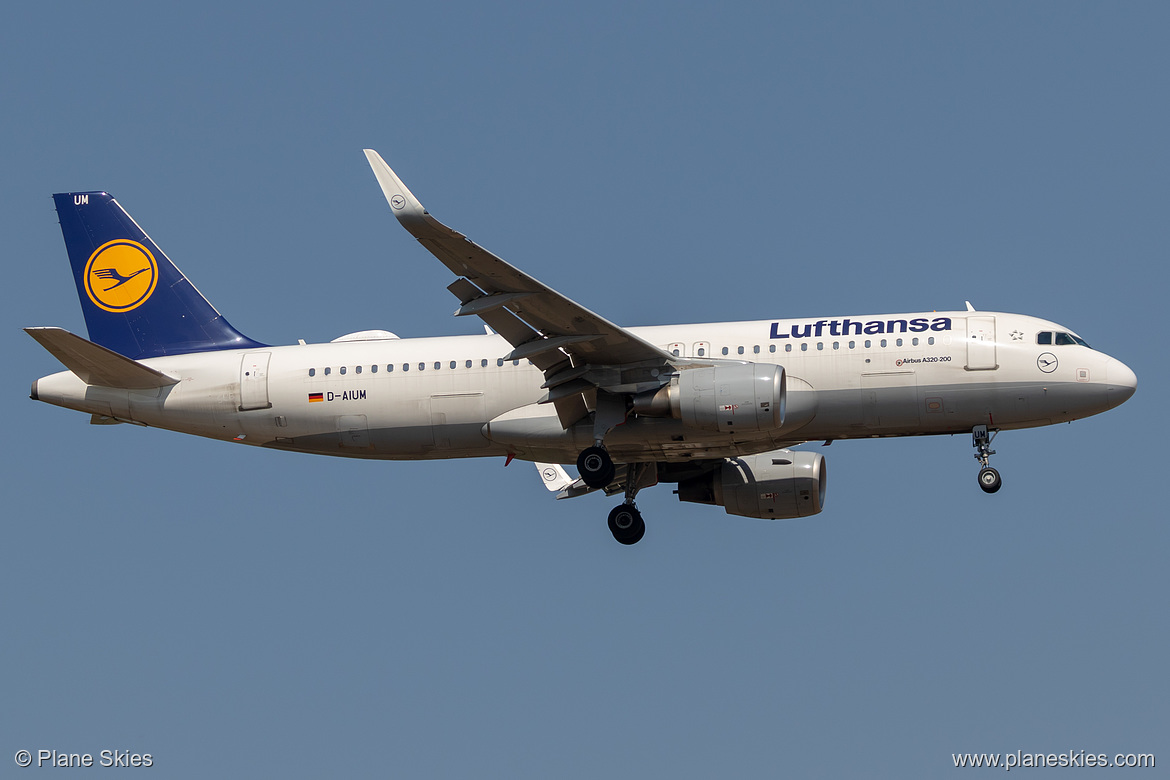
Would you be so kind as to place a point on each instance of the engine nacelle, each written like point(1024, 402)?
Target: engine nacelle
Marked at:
point(746, 397)
point(772, 485)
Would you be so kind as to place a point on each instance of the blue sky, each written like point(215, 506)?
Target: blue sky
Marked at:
point(241, 612)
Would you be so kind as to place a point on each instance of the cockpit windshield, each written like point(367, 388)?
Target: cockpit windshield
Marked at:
point(1060, 338)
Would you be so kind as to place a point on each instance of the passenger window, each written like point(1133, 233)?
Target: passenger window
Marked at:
point(468, 365)
point(884, 342)
point(389, 366)
point(373, 369)
point(341, 370)
point(852, 344)
point(868, 343)
point(327, 371)
point(406, 366)
point(820, 346)
point(422, 366)
point(702, 352)
point(836, 345)
point(674, 352)
point(898, 342)
point(312, 372)
point(1044, 338)
point(357, 369)
point(771, 347)
point(930, 341)
point(725, 350)
point(787, 347)
point(804, 346)
point(483, 363)
point(499, 361)
point(915, 341)
point(515, 362)
point(756, 349)
point(740, 350)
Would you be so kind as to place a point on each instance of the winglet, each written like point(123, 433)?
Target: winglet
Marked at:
point(407, 208)
point(555, 477)
point(96, 365)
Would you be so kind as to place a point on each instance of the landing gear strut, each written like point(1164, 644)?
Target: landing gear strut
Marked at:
point(594, 464)
point(597, 470)
point(989, 479)
point(625, 521)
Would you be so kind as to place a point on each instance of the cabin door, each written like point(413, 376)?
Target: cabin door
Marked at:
point(981, 344)
point(254, 381)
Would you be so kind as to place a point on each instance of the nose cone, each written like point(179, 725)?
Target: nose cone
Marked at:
point(1122, 382)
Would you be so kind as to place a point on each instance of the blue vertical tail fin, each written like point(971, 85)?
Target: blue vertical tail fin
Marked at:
point(136, 302)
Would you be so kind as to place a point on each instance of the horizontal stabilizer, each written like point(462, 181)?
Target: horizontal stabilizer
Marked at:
point(96, 365)
point(101, 419)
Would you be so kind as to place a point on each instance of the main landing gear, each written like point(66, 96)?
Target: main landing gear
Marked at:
point(626, 524)
point(625, 521)
point(989, 479)
point(595, 467)
point(598, 471)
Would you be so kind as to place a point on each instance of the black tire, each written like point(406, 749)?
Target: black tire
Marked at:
point(595, 467)
point(989, 480)
point(626, 524)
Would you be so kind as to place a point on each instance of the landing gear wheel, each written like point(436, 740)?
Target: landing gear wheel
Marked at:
point(595, 467)
point(989, 480)
point(626, 524)
point(981, 439)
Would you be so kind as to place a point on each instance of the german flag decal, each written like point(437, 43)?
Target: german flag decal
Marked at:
point(315, 397)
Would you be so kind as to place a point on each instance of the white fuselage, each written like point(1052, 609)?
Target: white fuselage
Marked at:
point(447, 397)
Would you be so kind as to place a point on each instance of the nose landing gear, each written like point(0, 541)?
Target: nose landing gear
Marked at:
point(989, 480)
point(981, 439)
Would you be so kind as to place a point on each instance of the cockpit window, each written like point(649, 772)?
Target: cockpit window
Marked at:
point(1060, 339)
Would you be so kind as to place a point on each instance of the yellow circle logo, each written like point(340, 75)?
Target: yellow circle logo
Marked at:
point(120, 275)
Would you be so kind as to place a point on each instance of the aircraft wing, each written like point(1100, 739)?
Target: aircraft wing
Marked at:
point(541, 324)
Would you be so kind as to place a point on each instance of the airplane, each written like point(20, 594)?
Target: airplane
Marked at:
point(714, 408)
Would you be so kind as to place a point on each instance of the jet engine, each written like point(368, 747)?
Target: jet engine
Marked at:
point(771, 486)
point(746, 397)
